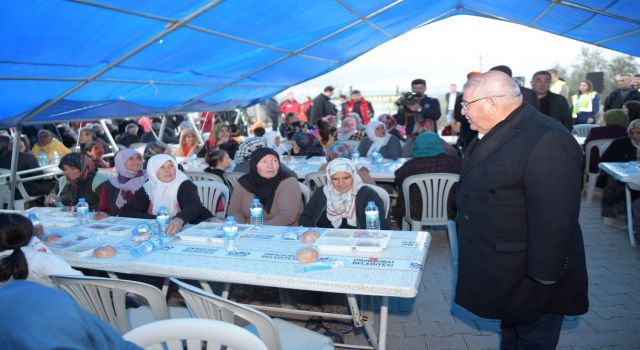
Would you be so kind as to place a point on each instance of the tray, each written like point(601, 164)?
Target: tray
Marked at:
point(365, 241)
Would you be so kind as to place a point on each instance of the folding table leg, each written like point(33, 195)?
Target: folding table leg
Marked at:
point(384, 312)
point(632, 238)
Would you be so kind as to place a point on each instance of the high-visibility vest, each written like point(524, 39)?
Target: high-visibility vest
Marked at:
point(556, 86)
point(582, 103)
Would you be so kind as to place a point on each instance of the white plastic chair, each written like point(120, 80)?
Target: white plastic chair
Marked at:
point(384, 195)
point(582, 130)
point(602, 145)
point(627, 190)
point(106, 297)
point(315, 179)
point(232, 179)
point(276, 333)
point(5, 190)
point(434, 190)
point(306, 192)
point(173, 334)
point(202, 176)
point(209, 193)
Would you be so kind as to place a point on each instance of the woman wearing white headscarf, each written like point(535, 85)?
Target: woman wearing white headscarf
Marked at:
point(378, 139)
point(170, 188)
point(341, 202)
point(274, 141)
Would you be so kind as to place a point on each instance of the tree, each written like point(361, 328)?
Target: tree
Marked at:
point(619, 65)
point(589, 60)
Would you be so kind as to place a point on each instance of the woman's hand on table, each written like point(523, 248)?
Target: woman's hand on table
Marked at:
point(49, 200)
point(216, 220)
point(100, 215)
point(175, 226)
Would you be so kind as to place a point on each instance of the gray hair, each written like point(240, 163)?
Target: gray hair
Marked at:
point(131, 128)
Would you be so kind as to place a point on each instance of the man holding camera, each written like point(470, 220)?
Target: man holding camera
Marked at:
point(416, 106)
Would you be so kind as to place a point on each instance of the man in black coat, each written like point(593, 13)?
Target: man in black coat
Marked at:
point(551, 104)
point(626, 91)
point(521, 254)
point(322, 106)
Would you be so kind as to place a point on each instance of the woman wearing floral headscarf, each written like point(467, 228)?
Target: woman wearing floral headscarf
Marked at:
point(343, 150)
point(341, 202)
point(170, 188)
point(81, 180)
point(349, 130)
point(378, 139)
point(220, 138)
point(121, 188)
point(306, 145)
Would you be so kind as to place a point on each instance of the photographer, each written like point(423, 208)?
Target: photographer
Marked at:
point(416, 106)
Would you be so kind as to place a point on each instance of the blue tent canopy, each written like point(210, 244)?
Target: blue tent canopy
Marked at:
point(82, 59)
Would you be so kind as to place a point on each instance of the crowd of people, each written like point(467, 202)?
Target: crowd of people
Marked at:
point(492, 109)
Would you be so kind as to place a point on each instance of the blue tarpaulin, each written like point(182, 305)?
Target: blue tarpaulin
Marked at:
point(77, 59)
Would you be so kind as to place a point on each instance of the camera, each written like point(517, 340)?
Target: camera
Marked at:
point(408, 98)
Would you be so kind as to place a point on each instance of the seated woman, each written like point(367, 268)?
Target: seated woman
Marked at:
point(632, 109)
point(81, 180)
point(120, 189)
point(188, 144)
point(428, 157)
point(392, 126)
point(218, 161)
point(341, 202)
point(324, 133)
point(379, 140)
point(277, 189)
point(349, 130)
point(246, 148)
point(95, 150)
point(274, 141)
point(24, 256)
point(170, 188)
point(615, 126)
point(419, 128)
point(343, 150)
point(306, 145)
point(220, 138)
point(623, 149)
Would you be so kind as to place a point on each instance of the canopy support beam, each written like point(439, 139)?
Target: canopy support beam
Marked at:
point(14, 166)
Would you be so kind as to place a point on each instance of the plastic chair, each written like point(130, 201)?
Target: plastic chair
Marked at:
point(209, 193)
point(106, 298)
point(202, 176)
point(172, 334)
point(434, 190)
point(232, 179)
point(315, 179)
point(5, 190)
point(275, 333)
point(582, 130)
point(602, 145)
point(306, 192)
point(627, 191)
point(384, 195)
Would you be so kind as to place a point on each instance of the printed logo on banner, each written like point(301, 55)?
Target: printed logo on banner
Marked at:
point(199, 250)
point(373, 262)
point(279, 257)
point(416, 266)
point(239, 253)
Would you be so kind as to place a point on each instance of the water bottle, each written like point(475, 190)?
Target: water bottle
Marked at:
point(230, 229)
point(56, 157)
point(162, 218)
point(194, 159)
point(256, 219)
point(43, 159)
point(82, 211)
point(373, 216)
point(147, 246)
point(140, 230)
point(37, 225)
point(374, 157)
point(355, 156)
point(378, 158)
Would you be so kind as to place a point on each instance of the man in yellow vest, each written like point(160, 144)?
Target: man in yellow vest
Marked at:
point(585, 104)
point(558, 86)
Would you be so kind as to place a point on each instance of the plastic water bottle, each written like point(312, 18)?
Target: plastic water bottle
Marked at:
point(82, 211)
point(256, 218)
point(162, 218)
point(373, 216)
point(378, 158)
point(230, 229)
point(43, 159)
point(193, 159)
point(375, 158)
point(355, 156)
point(147, 246)
point(37, 225)
point(142, 229)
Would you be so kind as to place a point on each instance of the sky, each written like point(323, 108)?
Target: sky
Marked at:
point(444, 52)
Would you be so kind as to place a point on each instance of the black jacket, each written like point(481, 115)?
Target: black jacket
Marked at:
point(191, 209)
point(317, 207)
point(558, 109)
point(614, 100)
point(321, 108)
point(518, 205)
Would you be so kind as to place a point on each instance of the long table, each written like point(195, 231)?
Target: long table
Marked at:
point(384, 172)
point(267, 258)
point(629, 174)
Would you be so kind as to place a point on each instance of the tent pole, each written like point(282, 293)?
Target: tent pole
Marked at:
point(14, 165)
point(103, 122)
point(195, 128)
point(163, 126)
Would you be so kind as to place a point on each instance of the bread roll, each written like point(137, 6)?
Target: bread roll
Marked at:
point(52, 238)
point(105, 251)
point(307, 255)
point(310, 236)
point(141, 237)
